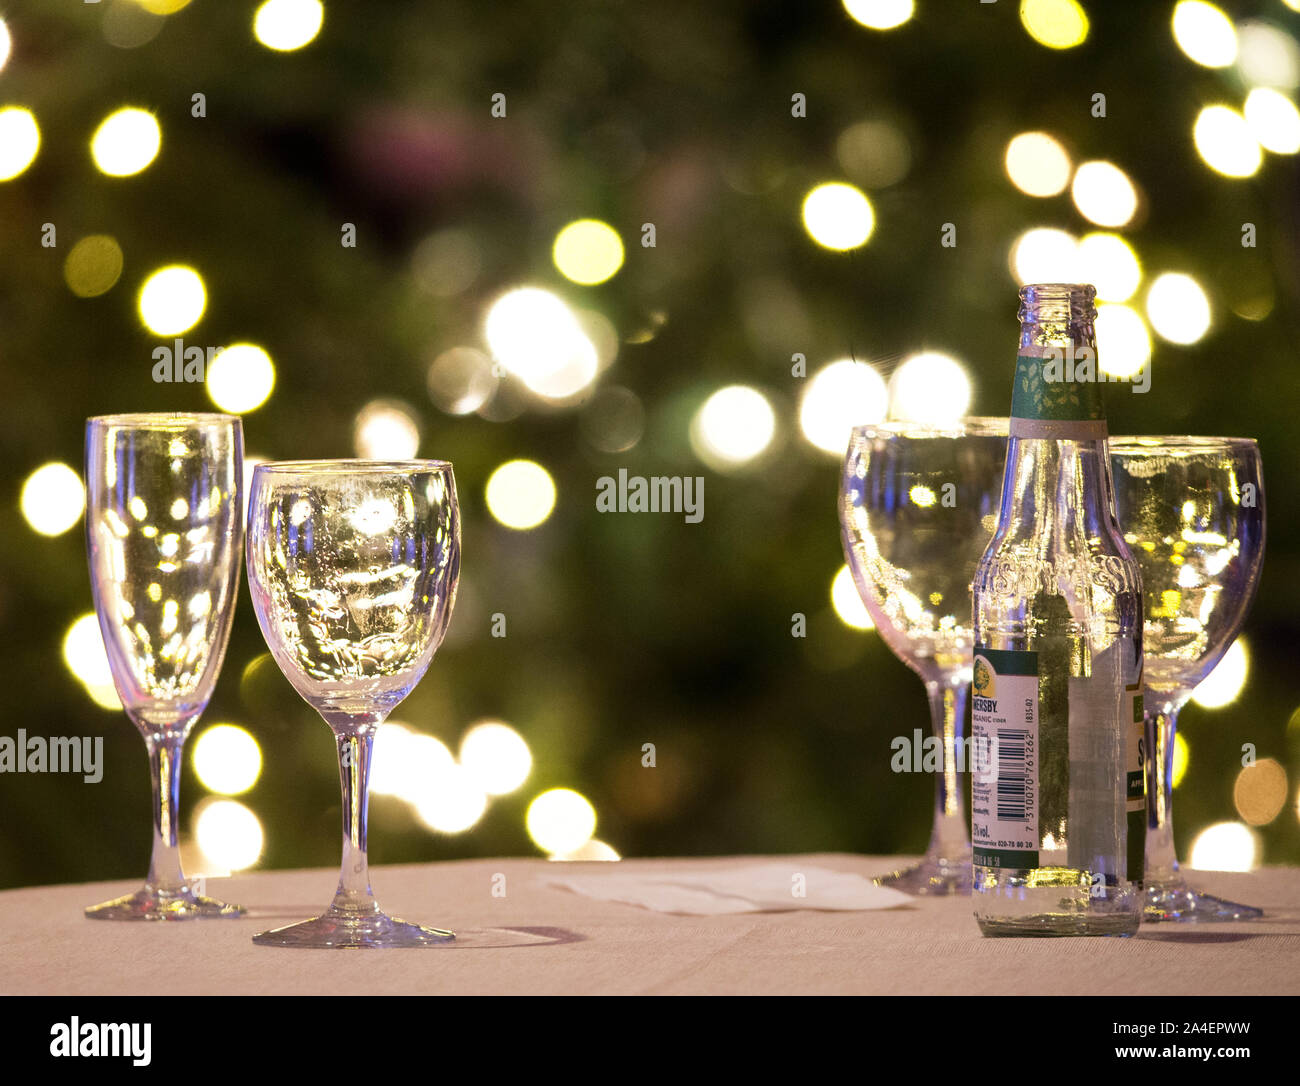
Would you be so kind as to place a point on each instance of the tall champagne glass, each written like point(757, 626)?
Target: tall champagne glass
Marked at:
point(163, 531)
point(1192, 512)
point(353, 566)
point(918, 504)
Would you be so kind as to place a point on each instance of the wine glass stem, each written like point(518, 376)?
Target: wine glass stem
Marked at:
point(1161, 860)
point(948, 838)
point(165, 767)
point(356, 746)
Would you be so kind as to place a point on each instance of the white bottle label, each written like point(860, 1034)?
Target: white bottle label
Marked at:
point(1004, 784)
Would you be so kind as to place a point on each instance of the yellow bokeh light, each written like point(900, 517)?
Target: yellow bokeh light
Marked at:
point(5, 43)
point(1045, 255)
point(240, 378)
point(879, 14)
point(1109, 263)
point(560, 820)
point(1058, 24)
point(592, 852)
point(929, 387)
point(588, 252)
point(452, 802)
point(52, 499)
point(732, 427)
point(386, 430)
point(847, 601)
point(1273, 120)
point(93, 265)
point(1178, 308)
point(838, 397)
point(1223, 685)
point(1224, 846)
point(496, 756)
point(539, 339)
point(1123, 342)
point(407, 764)
point(126, 141)
point(1267, 56)
point(1259, 792)
point(838, 216)
point(520, 494)
point(172, 300)
point(87, 659)
point(1182, 755)
point(285, 25)
point(162, 7)
point(1104, 194)
point(227, 759)
point(1226, 143)
point(1204, 33)
point(228, 834)
point(1037, 164)
point(20, 139)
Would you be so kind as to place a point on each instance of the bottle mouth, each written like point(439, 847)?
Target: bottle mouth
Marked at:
point(1056, 301)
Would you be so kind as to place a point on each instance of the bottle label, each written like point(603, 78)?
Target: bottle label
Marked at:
point(1004, 784)
point(1057, 394)
point(1136, 765)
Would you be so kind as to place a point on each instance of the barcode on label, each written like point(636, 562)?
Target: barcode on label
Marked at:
point(1012, 781)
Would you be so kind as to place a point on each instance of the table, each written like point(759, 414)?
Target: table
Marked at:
point(580, 946)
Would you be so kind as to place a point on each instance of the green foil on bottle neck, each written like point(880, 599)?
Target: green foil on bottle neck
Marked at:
point(1061, 385)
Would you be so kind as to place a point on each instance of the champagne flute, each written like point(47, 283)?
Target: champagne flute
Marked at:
point(353, 565)
point(163, 531)
point(918, 504)
point(1192, 511)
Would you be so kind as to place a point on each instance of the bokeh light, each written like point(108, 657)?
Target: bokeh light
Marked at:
point(227, 759)
point(52, 499)
point(1182, 756)
point(1226, 143)
point(560, 820)
point(1104, 194)
point(879, 14)
point(87, 659)
point(496, 757)
point(520, 494)
point(20, 139)
point(1223, 685)
point(1058, 24)
point(536, 337)
point(929, 387)
point(1204, 33)
point(1224, 846)
point(1037, 164)
point(847, 601)
point(1259, 792)
point(406, 764)
point(93, 265)
point(614, 419)
point(452, 801)
point(732, 427)
point(1123, 341)
point(125, 142)
point(386, 430)
point(285, 25)
point(838, 216)
point(588, 252)
point(241, 378)
point(172, 300)
point(875, 153)
point(1267, 56)
point(1273, 120)
point(1045, 254)
point(6, 43)
point(460, 380)
point(838, 397)
point(592, 852)
point(1178, 308)
point(228, 834)
point(1109, 263)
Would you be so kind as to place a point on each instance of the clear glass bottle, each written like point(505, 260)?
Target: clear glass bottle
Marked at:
point(1058, 812)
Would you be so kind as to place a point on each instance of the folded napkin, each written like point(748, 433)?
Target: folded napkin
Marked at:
point(753, 888)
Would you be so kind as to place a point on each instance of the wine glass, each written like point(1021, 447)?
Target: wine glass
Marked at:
point(918, 505)
point(353, 566)
point(163, 531)
point(1192, 512)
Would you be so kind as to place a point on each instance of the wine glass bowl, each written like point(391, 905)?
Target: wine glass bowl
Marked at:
point(353, 567)
point(163, 533)
point(918, 504)
point(1192, 512)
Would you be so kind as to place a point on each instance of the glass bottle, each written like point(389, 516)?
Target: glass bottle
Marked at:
point(1058, 808)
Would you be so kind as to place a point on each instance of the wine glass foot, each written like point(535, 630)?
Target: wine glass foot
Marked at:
point(1179, 902)
point(150, 903)
point(934, 877)
point(340, 931)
